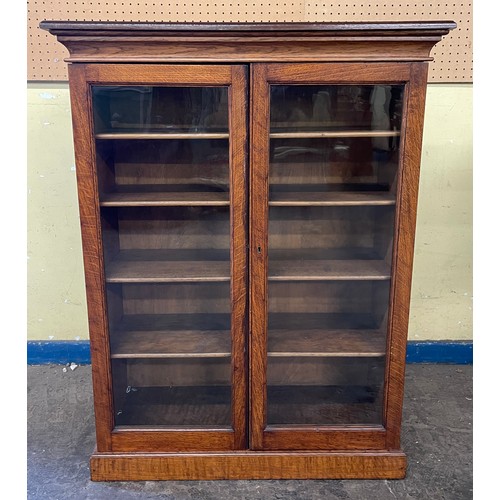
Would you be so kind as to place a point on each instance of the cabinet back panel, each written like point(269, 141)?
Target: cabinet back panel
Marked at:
point(326, 227)
point(314, 371)
point(178, 298)
point(165, 373)
point(303, 297)
point(173, 228)
point(202, 162)
point(327, 166)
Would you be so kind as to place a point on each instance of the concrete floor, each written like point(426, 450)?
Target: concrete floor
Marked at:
point(437, 437)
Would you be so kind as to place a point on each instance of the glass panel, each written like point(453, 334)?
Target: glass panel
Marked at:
point(189, 171)
point(148, 109)
point(314, 108)
point(164, 196)
point(173, 392)
point(334, 155)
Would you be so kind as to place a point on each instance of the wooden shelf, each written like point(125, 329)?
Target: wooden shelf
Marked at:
point(326, 343)
point(169, 266)
point(220, 199)
point(333, 133)
point(328, 270)
point(171, 344)
point(121, 271)
point(161, 135)
point(332, 198)
point(165, 199)
point(208, 335)
point(207, 265)
point(151, 336)
point(166, 342)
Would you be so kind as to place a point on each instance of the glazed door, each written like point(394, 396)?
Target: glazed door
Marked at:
point(163, 210)
point(328, 316)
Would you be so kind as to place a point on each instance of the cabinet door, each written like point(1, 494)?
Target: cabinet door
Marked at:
point(160, 155)
point(334, 167)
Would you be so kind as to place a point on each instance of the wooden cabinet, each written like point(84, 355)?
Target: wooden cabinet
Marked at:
point(248, 199)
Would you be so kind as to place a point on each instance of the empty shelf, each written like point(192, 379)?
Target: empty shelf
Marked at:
point(306, 270)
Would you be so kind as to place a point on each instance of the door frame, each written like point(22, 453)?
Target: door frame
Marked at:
point(82, 76)
point(348, 437)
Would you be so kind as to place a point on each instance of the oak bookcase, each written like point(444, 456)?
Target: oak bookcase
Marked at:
point(248, 198)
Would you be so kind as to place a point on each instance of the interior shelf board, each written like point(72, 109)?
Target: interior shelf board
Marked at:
point(161, 135)
point(334, 133)
point(171, 344)
point(326, 343)
point(332, 198)
point(165, 199)
point(328, 270)
point(167, 267)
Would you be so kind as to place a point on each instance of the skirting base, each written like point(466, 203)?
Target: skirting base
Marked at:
point(247, 465)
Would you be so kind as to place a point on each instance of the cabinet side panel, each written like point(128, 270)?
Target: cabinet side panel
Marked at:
point(403, 251)
point(92, 254)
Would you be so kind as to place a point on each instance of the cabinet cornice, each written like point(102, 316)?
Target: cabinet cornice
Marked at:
point(248, 42)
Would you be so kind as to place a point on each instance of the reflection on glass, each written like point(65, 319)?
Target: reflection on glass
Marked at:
point(167, 167)
point(168, 289)
point(334, 156)
point(182, 109)
point(164, 244)
point(332, 107)
point(172, 392)
point(162, 157)
point(171, 353)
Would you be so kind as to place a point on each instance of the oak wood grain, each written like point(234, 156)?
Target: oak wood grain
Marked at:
point(155, 440)
point(287, 230)
point(238, 174)
point(155, 74)
point(249, 465)
point(185, 42)
point(219, 29)
point(217, 343)
point(124, 266)
point(339, 72)
point(404, 241)
point(171, 344)
point(93, 255)
point(258, 200)
point(161, 271)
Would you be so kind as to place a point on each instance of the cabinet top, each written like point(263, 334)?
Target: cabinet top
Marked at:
point(55, 27)
point(247, 42)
